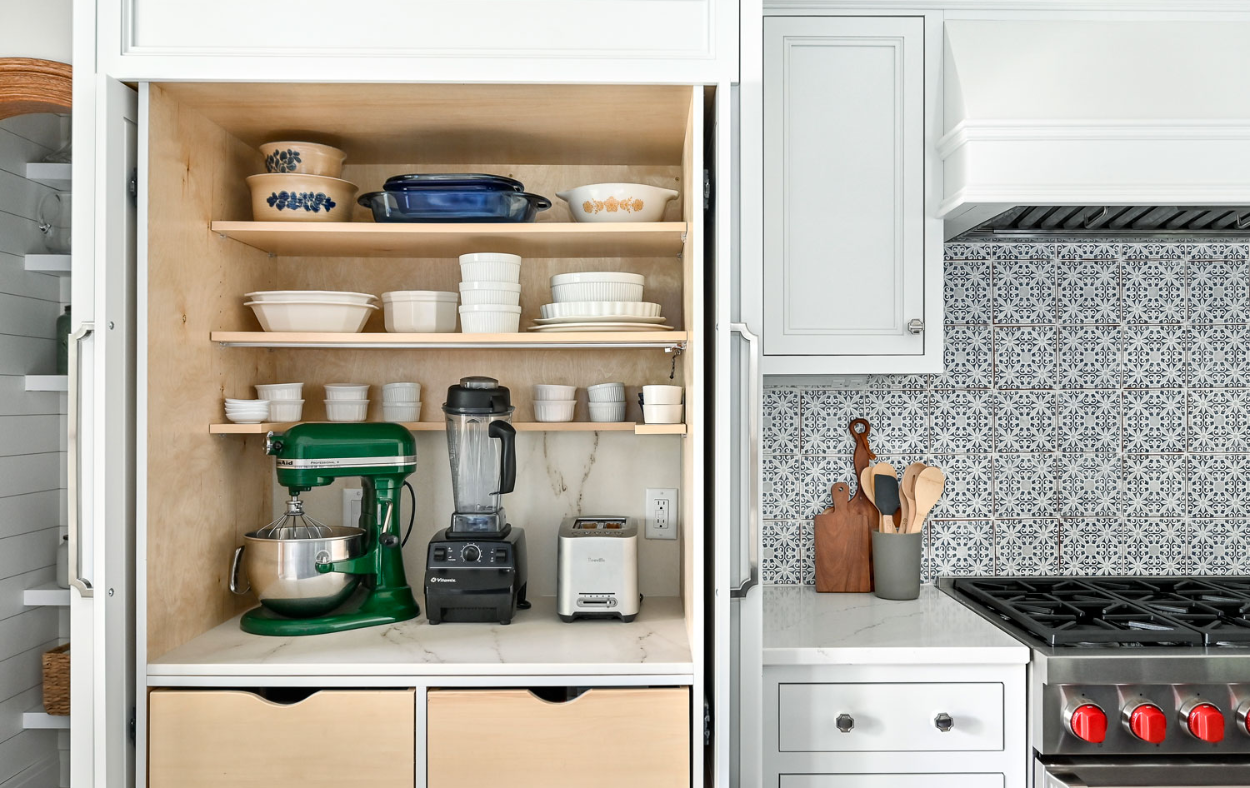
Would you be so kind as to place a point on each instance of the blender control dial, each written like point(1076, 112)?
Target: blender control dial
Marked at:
point(471, 553)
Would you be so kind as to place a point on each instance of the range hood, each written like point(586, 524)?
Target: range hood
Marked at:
point(1092, 127)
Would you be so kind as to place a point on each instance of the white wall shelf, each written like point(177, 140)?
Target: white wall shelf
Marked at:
point(54, 264)
point(41, 720)
point(55, 175)
point(46, 595)
point(47, 382)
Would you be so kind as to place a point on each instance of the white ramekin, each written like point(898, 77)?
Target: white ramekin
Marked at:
point(504, 293)
point(661, 395)
point(401, 411)
point(401, 392)
point(606, 392)
point(551, 411)
point(277, 391)
point(662, 414)
point(490, 319)
point(286, 409)
point(347, 391)
point(554, 392)
point(607, 411)
point(490, 267)
point(347, 409)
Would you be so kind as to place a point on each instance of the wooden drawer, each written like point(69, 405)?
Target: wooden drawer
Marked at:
point(605, 738)
point(889, 717)
point(332, 738)
point(891, 781)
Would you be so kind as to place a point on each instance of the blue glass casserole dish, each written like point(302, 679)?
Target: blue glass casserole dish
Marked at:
point(462, 182)
point(442, 205)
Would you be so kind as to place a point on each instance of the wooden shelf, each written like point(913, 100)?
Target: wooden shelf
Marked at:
point(47, 382)
point(542, 239)
point(438, 426)
point(46, 595)
point(54, 264)
point(53, 174)
point(38, 719)
point(275, 339)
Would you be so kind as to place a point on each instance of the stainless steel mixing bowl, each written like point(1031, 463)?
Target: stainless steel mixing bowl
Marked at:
point(283, 572)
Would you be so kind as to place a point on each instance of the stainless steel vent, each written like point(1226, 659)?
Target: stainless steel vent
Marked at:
point(1103, 220)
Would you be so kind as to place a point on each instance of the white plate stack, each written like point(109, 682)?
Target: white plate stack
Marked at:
point(490, 293)
point(401, 402)
point(247, 411)
point(607, 402)
point(312, 311)
point(554, 402)
point(599, 301)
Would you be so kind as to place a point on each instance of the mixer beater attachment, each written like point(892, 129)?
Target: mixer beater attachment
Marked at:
point(294, 524)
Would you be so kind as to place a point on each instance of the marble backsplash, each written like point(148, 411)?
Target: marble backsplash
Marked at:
point(1093, 417)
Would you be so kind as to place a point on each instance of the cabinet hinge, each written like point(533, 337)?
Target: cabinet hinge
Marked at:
point(131, 725)
point(707, 723)
point(915, 326)
point(707, 190)
point(132, 186)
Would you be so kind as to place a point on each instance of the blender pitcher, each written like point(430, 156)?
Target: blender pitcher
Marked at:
point(481, 443)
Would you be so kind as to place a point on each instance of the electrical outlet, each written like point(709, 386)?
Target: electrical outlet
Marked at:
point(661, 508)
point(352, 496)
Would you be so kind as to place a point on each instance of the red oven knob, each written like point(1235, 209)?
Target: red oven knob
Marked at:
point(1205, 722)
point(1147, 722)
point(1088, 722)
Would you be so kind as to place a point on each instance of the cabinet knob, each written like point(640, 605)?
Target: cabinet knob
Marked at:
point(915, 326)
point(845, 723)
point(944, 722)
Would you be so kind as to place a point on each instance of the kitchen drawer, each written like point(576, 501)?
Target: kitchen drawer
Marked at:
point(332, 738)
point(604, 737)
point(889, 717)
point(891, 781)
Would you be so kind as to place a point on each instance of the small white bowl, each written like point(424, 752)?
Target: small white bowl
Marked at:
point(347, 391)
point(401, 392)
point(617, 202)
point(294, 197)
point(309, 158)
point(553, 391)
point(419, 311)
point(607, 411)
point(401, 412)
point(490, 319)
point(662, 414)
point(276, 391)
point(490, 267)
point(554, 411)
point(286, 409)
point(299, 296)
point(347, 409)
point(505, 293)
point(661, 395)
point(606, 392)
point(259, 401)
point(312, 316)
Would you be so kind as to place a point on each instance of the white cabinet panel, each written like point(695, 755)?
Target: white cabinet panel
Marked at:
point(844, 186)
point(891, 781)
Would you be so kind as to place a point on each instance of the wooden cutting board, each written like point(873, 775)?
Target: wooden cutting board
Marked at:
point(844, 530)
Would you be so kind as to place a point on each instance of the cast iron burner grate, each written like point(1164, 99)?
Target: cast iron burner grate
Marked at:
point(1131, 612)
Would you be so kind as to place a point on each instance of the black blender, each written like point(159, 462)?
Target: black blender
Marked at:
point(475, 568)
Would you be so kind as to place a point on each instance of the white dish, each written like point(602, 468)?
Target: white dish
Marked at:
point(607, 411)
point(596, 291)
point(347, 409)
point(440, 296)
point(606, 392)
point(490, 267)
point(286, 409)
point(310, 316)
point(571, 327)
point(401, 392)
point(617, 202)
point(490, 319)
point(554, 391)
point(661, 395)
point(555, 321)
point(662, 414)
point(273, 391)
point(629, 309)
point(419, 312)
point(248, 419)
point(615, 277)
point(325, 296)
point(347, 391)
point(477, 293)
point(554, 411)
point(294, 197)
point(251, 414)
point(490, 257)
point(401, 412)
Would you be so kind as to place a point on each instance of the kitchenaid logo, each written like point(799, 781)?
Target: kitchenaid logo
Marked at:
point(597, 560)
point(442, 579)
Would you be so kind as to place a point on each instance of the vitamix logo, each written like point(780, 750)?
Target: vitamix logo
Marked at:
point(442, 579)
point(597, 560)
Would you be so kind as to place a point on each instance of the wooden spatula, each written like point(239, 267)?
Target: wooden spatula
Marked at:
point(907, 493)
point(886, 496)
point(866, 485)
point(929, 485)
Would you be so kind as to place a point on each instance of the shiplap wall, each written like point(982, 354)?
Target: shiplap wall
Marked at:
point(32, 455)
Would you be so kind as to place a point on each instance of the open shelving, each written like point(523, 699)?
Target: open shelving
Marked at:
point(55, 175)
point(438, 426)
point(377, 340)
point(38, 719)
point(54, 264)
point(47, 383)
point(46, 595)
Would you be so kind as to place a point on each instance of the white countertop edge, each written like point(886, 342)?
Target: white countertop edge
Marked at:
point(568, 673)
point(422, 670)
point(871, 657)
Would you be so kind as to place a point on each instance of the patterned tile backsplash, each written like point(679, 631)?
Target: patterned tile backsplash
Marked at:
point(1093, 417)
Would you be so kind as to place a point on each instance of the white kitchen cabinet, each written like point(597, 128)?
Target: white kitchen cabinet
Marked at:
point(851, 266)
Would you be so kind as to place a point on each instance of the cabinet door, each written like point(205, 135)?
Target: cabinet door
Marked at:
point(891, 781)
point(844, 226)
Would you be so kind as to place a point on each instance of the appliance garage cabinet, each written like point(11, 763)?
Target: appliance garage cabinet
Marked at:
point(537, 701)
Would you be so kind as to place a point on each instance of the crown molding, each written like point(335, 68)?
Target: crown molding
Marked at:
point(969, 131)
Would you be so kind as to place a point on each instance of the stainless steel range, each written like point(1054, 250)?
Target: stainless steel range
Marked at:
point(1133, 681)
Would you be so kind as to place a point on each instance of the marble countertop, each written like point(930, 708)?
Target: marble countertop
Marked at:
point(802, 627)
point(536, 643)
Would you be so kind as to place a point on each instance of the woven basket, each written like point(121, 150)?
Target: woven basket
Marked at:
point(56, 680)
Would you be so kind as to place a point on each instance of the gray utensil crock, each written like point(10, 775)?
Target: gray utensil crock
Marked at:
point(896, 565)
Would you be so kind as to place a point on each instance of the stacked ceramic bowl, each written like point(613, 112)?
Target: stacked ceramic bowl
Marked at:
point(317, 311)
point(553, 402)
point(347, 401)
point(301, 184)
point(661, 404)
point(599, 301)
point(490, 293)
point(285, 400)
point(401, 402)
point(419, 311)
point(607, 402)
point(247, 411)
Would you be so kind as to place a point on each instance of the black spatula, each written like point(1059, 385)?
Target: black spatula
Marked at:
point(885, 493)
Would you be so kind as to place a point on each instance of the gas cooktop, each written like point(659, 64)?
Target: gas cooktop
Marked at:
point(1118, 612)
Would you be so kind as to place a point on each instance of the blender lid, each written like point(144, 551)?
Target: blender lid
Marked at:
point(478, 395)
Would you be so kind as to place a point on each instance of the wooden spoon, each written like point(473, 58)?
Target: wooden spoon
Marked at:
point(907, 493)
point(929, 486)
point(869, 483)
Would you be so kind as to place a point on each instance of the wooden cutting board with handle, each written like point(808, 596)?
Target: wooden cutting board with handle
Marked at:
point(844, 531)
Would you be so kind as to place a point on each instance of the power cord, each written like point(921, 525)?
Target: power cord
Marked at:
point(412, 515)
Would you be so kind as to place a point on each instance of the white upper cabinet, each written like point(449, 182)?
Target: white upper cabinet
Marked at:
point(847, 242)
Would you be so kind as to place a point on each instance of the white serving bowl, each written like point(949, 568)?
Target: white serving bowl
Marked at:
point(309, 158)
point(662, 414)
point(601, 309)
point(490, 319)
point(490, 267)
point(401, 392)
point(312, 316)
point(606, 392)
point(419, 312)
point(661, 395)
point(286, 409)
point(294, 197)
point(347, 391)
point(607, 411)
point(504, 293)
point(617, 202)
point(597, 286)
point(401, 412)
point(273, 391)
point(551, 411)
point(553, 391)
point(324, 296)
point(347, 409)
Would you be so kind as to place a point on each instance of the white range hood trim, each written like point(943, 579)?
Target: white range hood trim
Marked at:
point(969, 131)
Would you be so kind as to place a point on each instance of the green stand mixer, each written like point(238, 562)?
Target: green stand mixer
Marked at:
point(312, 578)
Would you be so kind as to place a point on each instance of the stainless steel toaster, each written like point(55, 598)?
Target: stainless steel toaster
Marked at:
point(598, 574)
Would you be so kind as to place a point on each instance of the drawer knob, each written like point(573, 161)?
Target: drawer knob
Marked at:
point(845, 723)
point(944, 722)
